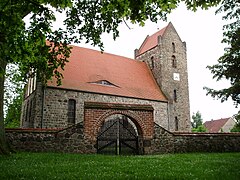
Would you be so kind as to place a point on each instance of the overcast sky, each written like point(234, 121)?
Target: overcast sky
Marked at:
point(202, 31)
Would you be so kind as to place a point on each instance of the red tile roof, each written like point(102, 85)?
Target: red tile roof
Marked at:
point(120, 76)
point(215, 125)
point(151, 41)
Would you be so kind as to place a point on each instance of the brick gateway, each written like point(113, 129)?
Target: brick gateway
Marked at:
point(141, 116)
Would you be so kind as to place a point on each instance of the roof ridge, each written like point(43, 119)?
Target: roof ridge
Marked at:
point(103, 52)
point(214, 120)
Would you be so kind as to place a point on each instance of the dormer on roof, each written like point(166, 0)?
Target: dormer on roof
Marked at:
point(104, 82)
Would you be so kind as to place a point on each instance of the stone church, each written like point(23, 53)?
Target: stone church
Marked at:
point(100, 89)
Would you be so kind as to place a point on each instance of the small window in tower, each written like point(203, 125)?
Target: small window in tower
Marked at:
point(173, 47)
point(175, 95)
point(174, 62)
point(71, 111)
point(176, 123)
point(152, 62)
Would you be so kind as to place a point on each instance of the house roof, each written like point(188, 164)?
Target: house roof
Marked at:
point(151, 41)
point(99, 72)
point(215, 125)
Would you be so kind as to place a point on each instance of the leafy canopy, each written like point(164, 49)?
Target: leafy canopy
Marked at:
point(228, 66)
point(85, 19)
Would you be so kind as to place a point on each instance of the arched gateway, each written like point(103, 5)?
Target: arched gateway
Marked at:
point(118, 135)
point(118, 128)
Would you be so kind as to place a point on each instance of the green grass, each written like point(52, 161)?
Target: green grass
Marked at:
point(76, 166)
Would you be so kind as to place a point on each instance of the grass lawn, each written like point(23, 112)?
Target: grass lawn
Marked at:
point(77, 166)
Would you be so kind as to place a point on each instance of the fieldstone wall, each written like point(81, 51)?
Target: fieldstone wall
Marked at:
point(70, 140)
point(163, 141)
point(73, 140)
point(206, 142)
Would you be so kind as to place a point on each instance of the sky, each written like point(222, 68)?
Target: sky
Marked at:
point(202, 31)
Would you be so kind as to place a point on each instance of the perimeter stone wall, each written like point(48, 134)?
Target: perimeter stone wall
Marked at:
point(73, 140)
point(207, 142)
point(69, 140)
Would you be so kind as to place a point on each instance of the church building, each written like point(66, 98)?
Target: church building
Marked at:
point(99, 88)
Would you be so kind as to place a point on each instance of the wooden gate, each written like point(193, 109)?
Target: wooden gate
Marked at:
point(118, 136)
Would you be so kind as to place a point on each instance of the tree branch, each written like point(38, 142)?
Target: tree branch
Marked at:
point(126, 24)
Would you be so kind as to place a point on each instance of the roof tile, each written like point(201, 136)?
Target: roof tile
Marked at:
point(151, 41)
point(215, 125)
point(131, 78)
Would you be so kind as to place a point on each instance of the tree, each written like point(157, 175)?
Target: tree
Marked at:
point(13, 96)
point(86, 20)
point(197, 123)
point(12, 119)
point(228, 66)
point(236, 127)
point(197, 120)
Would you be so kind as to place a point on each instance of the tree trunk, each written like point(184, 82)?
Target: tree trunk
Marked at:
point(4, 147)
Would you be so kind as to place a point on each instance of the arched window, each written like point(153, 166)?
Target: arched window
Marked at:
point(176, 123)
point(71, 111)
point(174, 62)
point(173, 47)
point(175, 95)
point(152, 62)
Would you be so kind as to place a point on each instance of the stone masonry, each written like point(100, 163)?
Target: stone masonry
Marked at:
point(56, 101)
point(73, 140)
point(159, 60)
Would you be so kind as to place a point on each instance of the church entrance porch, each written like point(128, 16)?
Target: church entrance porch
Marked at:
point(119, 128)
point(118, 135)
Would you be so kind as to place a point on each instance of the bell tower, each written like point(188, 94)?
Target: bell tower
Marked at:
point(166, 56)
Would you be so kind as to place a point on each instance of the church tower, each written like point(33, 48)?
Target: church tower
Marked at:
point(166, 56)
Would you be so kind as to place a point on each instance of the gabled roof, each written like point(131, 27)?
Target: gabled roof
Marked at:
point(151, 41)
point(92, 71)
point(215, 125)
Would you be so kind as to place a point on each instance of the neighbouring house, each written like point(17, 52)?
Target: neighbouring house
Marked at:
point(220, 125)
point(107, 92)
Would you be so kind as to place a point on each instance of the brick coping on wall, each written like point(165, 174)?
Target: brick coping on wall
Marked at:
point(36, 130)
point(33, 130)
point(99, 105)
point(205, 134)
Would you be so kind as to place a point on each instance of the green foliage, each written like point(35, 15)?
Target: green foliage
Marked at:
point(12, 86)
point(236, 128)
point(200, 128)
point(197, 123)
point(12, 119)
point(86, 21)
point(229, 64)
point(77, 166)
point(197, 120)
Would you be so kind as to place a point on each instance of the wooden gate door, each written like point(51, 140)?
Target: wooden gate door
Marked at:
point(118, 136)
